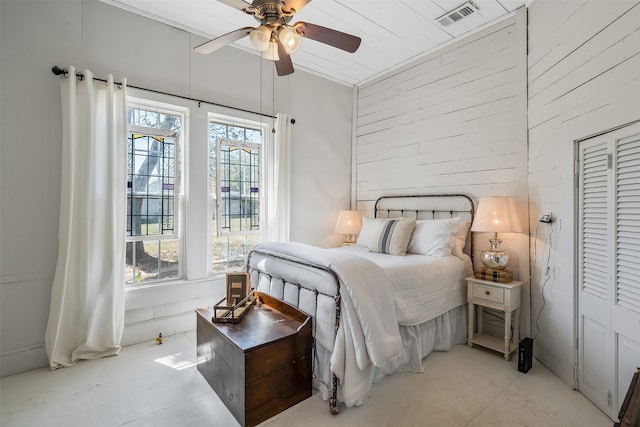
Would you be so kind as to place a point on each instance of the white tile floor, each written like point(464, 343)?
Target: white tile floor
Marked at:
point(158, 385)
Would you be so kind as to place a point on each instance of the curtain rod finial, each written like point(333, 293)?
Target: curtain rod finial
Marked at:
point(57, 70)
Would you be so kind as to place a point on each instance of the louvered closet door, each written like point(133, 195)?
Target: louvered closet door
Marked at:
point(595, 341)
point(609, 266)
point(626, 307)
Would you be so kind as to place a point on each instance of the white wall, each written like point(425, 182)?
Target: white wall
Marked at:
point(34, 36)
point(452, 122)
point(584, 68)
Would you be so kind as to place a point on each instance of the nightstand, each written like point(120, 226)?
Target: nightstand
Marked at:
point(499, 296)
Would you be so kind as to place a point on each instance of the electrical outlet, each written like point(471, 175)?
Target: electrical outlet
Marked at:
point(545, 218)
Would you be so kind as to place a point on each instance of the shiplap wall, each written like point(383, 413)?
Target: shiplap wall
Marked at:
point(453, 121)
point(584, 78)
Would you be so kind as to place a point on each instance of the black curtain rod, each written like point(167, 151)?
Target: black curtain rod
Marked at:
point(57, 71)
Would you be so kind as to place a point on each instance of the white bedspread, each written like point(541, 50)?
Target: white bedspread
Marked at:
point(368, 335)
point(424, 287)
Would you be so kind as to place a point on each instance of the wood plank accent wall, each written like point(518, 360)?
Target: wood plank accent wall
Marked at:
point(583, 79)
point(451, 121)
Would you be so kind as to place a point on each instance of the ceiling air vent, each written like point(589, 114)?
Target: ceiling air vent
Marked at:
point(457, 14)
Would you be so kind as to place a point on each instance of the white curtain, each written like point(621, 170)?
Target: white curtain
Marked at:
point(278, 183)
point(86, 315)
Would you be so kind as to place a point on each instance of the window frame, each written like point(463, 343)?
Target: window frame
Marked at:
point(161, 133)
point(264, 129)
point(179, 189)
point(238, 144)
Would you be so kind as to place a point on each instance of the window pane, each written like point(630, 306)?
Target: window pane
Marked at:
point(218, 130)
point(237, 213)
point(152, 179)
point(230, 251)
point(150, 187)
point(236, 133)
point(254, 135)
point(239, 206)
point(154, 119)
point(154, 260)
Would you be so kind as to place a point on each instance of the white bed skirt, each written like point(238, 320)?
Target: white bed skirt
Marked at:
point(438, 334)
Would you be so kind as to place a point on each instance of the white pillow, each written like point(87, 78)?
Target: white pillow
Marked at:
point(368, 231)
point(392, 236)
point(434, 237)
point(460, 238)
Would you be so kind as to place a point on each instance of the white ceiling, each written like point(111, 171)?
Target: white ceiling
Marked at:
point(392, 31)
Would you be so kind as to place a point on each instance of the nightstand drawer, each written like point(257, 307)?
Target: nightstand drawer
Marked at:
point(489, 293)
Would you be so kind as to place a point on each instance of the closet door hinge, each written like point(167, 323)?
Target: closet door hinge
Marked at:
point(609, 398)
point(576, 167)
point(609, 160)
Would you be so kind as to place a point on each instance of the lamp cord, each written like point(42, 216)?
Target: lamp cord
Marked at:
point(546, 274)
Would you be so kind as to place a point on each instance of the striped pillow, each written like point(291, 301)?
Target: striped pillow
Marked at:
point(392, 236)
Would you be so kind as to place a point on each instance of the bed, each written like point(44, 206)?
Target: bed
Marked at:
point(375, 312)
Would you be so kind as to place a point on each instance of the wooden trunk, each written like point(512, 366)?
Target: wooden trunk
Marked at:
point(261, 365)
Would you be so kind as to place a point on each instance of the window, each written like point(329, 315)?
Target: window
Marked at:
point(234, 190)
point(153, 244)
point(157, 237)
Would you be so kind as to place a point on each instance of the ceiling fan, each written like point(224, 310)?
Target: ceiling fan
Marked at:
point(274, 37)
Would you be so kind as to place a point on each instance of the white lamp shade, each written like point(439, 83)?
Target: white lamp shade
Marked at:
point(260, 38)
point(348, 222)
point(496, 215)
point(271, 53)
point(290, 39)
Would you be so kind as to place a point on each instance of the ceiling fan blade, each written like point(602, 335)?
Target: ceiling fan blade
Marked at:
point(328, 36)
point(223, 40)
point(295, 4)
point(284, 66)
point(236, 4)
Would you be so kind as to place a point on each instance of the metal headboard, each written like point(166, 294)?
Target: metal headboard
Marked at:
point(427, 206)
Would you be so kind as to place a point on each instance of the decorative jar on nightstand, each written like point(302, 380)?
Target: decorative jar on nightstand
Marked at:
point(499, 296)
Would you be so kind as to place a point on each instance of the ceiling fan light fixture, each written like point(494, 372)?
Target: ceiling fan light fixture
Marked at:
point(274, 37)
point(290, 39)
point(272, 52)
point(260, 38)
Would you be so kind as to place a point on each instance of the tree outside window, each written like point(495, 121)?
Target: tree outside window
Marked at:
point(152, 237)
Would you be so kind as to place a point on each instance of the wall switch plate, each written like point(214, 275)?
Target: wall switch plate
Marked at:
point(545, 218)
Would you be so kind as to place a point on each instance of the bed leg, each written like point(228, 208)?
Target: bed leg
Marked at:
point(333, 400)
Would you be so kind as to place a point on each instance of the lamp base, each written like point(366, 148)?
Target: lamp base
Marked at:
point(495, 258)
point(348, 240)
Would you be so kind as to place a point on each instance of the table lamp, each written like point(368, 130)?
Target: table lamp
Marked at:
point(349, 224)
point(496, 215)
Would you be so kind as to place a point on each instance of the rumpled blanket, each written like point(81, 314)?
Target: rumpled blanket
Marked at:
point(368, 335)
